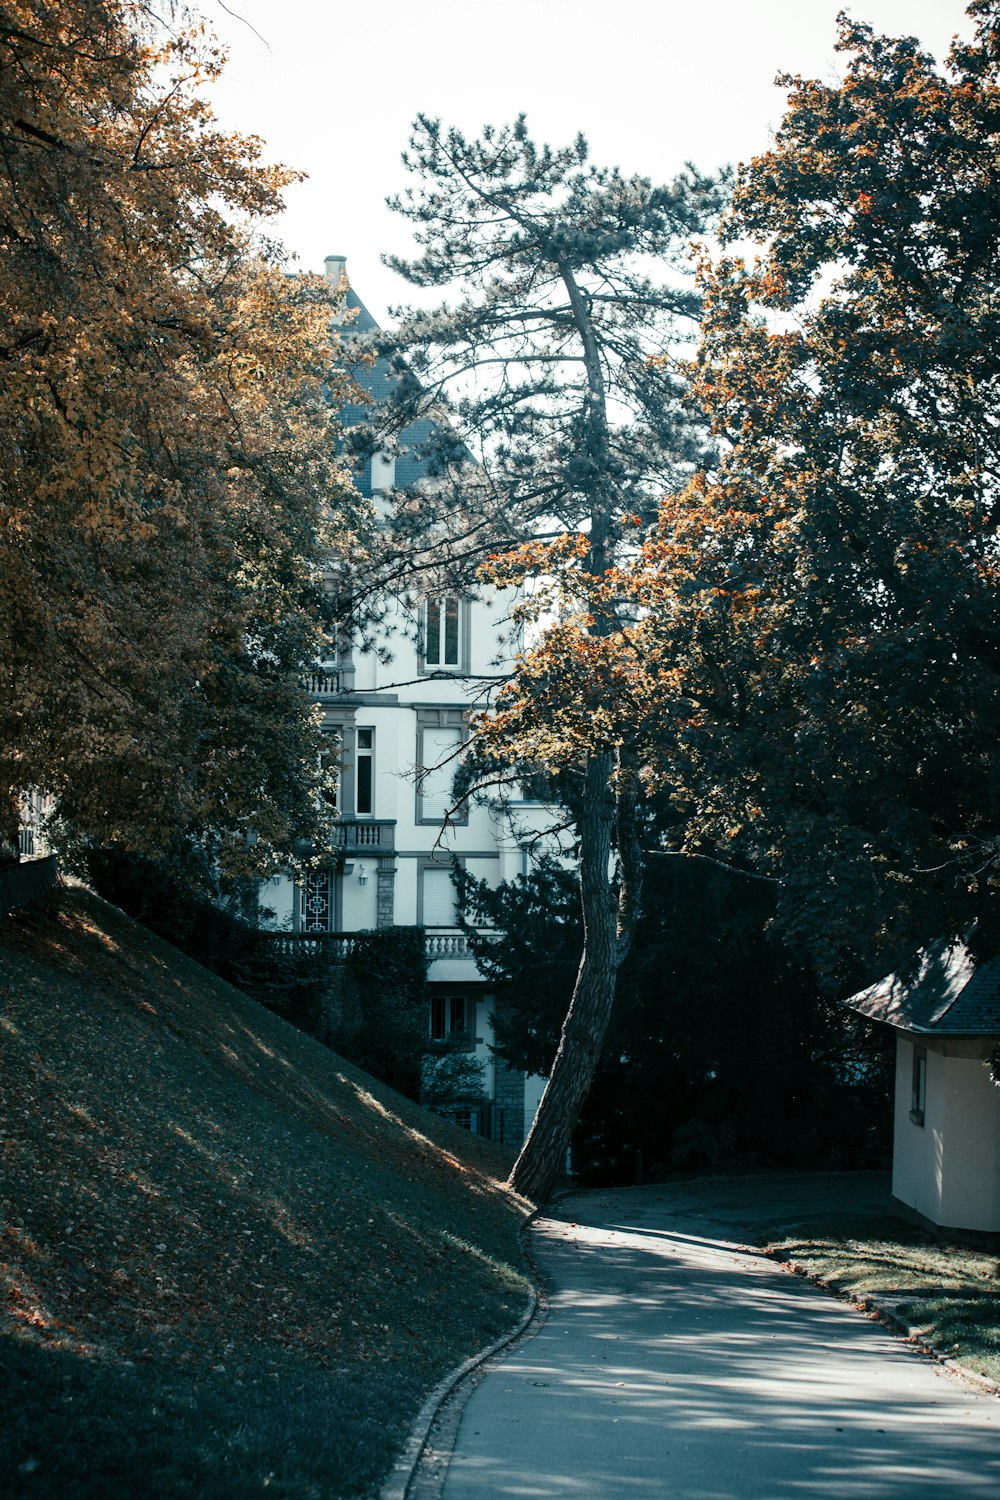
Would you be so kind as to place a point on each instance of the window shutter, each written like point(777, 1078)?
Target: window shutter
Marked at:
point(438, 745)
point(439, 899)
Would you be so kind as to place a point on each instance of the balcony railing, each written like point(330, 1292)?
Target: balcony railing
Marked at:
point(372, 834)
point(322, 682)
point(339, 945)
point(453, 944)
point(335, 945)
point(446, 945)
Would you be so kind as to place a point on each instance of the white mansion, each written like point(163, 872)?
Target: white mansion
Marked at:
point(401, 725)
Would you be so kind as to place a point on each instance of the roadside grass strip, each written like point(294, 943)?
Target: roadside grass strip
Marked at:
point(947, 1295)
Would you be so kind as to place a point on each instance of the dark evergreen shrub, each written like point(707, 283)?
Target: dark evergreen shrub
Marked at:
point(366, 999)
point(722, 1054)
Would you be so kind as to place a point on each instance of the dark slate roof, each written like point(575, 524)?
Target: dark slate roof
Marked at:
point(950, 995)
point(378, 379)
point(364, 322)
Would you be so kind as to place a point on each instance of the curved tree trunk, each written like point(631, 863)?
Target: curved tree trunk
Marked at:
point(609, 914)
point(610, 909)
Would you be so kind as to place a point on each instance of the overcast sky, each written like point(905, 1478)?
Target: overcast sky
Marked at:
point(333, 88)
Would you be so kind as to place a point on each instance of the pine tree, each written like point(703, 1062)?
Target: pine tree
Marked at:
point(559, 422)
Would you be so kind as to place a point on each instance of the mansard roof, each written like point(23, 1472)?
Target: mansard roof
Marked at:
point(950, 995)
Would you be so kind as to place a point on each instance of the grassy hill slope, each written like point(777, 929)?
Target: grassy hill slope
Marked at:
point(231, 1264)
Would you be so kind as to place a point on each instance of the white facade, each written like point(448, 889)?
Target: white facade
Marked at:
point(401, 724)
point(946, 1137)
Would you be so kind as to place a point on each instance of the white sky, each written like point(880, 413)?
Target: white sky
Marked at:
point(333, 89)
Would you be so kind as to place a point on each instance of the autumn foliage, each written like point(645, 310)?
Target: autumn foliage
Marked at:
point(799, 660)
point(167, 481)
point(821, 609)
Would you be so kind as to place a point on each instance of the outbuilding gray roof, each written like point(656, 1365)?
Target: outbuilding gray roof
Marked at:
point(950, 995)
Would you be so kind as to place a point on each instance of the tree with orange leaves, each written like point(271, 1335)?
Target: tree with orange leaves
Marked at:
point(169, 493)
point(822, 608)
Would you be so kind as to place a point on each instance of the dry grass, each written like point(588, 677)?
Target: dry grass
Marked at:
point(948, 1292)
point(230, 1262)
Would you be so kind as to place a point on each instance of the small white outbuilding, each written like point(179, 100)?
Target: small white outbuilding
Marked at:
point(946, 1134)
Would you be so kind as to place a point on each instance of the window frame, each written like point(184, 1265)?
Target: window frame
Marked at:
point(382, 472)
point(443, 1005)
point(334, 896)
point(918, 1086)
point(364, 754)
point(425, 863)
point(428, 666)
point(335, 734)
point(447, 1008)
point(430, 720)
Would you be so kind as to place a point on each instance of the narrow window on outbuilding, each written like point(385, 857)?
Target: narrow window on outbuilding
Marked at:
point(918, 1098)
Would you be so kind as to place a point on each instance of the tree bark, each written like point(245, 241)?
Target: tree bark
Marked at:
point(610, 911)
point(608, 921)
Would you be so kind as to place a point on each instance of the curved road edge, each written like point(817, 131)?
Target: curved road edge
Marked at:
point(886, 1314)
point(398, 1483)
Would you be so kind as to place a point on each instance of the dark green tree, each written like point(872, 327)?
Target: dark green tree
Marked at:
point(824, 602)
point(558, 424)
point(722, 1051)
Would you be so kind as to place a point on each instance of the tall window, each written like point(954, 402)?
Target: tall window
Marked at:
point(451, 1015)
point(364, 772)
point(317, 901)
point(441, 733)
point(442, 634)
point(438, 899)
point(331, 756)
point(383, 472)
point(438, 744)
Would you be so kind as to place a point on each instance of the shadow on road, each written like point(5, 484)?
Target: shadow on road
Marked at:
point(678, 1362)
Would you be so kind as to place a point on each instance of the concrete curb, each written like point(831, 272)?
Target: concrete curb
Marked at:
point(396, 1485)
point(886, 1314)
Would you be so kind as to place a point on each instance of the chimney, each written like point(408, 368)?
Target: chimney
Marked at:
point(336, 267)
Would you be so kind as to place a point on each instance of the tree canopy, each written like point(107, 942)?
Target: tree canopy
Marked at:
point(569, 277)
point(821, 607)
point(168, 484)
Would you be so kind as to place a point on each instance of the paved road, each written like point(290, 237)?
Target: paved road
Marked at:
point(677, 1361)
